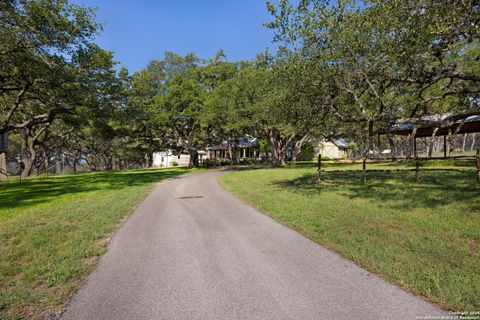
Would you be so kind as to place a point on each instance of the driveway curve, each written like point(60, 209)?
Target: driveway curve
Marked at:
point(191, 250)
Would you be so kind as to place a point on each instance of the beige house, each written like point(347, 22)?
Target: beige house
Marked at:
point(334, 149)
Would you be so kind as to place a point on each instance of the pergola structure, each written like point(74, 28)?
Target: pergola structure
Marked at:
point(434, 129)
point(469, 125)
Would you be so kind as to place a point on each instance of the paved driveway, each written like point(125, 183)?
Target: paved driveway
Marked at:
point(193, 251)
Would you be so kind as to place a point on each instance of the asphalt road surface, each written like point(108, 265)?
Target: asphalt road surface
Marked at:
point(193, 251)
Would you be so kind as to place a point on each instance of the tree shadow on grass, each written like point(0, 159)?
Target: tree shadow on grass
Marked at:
point(399, 190)
point(35, 191)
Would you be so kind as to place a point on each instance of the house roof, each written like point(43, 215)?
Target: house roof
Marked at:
point(245, 142)
point(340, 142)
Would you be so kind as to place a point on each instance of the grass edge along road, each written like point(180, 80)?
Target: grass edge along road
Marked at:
point(423, 237)
point(53, 229)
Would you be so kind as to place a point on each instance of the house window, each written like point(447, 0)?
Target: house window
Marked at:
point(178, 156)
point(162, 159)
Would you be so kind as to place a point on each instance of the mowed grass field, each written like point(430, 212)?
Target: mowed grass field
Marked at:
point(52, 230)
point(424, 237)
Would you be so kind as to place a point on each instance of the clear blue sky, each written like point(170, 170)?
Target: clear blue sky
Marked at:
point(139, 31)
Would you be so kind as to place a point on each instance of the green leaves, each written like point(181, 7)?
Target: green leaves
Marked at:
point(386, 61)
point(46, 56)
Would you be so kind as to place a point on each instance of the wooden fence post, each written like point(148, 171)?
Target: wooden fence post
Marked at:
point(364, 169)
point(319, 169)
point(417, 162)
point(417, 170)
point(478, 165)
point(445, 146)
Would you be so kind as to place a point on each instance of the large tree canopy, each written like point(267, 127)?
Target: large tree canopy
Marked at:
point(44, 47)
point(388, 62)
point(49, 69)
point(338, 68)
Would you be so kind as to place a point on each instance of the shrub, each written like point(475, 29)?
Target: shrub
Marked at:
point(352, 149)
point(174, 163)
point(441, 163)
point(437, 163)
point(307, 153)
point(227, 162)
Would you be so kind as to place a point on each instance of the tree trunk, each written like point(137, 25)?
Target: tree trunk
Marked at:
point(193, 162)
point(472, 146)
point(438, 145)
point(430, 148)
point(278, 154)
point(46, 163)
point(279, 147)
point(449, 143)
point(275, 154)
point(278, 161)
point(3, 166)
point(107, 162)
point(298, 148)
point(35, 168)
point(28, 154)
point(29, 160)
point(232, 153)
point(401, 148)
point(3, 156)
point(93, 165)
point(147, 161)
point(391, 143)
point(28, 163)
point(235, 154)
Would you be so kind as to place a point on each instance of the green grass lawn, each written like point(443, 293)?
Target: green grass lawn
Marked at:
point(52, 230)
point(424, 237)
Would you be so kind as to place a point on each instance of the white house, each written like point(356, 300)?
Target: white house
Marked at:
point(166, 159)
point(244, 148)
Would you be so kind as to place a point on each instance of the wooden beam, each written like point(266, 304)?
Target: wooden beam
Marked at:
point(445, 146)
point(364, 169)
point(417, 162)
point(399, 170)
point(319, 169)
point(415, 147)
point(423, 158)
point(478, 165)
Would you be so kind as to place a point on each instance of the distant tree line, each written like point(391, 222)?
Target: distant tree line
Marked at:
point(344, 68)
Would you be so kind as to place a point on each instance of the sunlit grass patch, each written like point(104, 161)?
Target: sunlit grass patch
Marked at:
point(51, 230)
point(424, 237)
